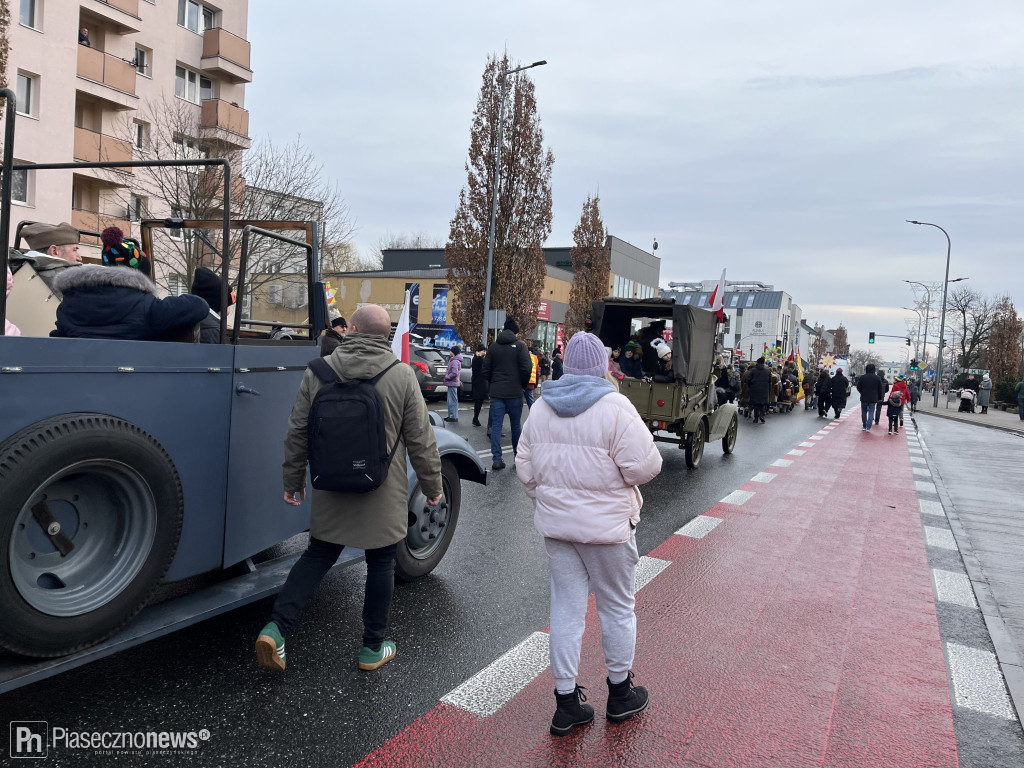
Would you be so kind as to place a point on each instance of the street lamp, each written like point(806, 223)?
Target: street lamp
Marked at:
point(911, 309)
point(942, 321)
point(927, 309)
point(497, 180)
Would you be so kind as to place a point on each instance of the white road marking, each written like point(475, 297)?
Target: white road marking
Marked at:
point(922, 472)
point(782, 463)
point(795, 452)
point(952, 587)
point(977, 681)
point(763, 477)
point(923, 486)
point(487, 454)
point(918, 460)
point(701, 525)
point(738, 497)
point(814, 437)
point(931, 507)
point(806, 445)
point(647, 569)
point(496, 684)
point(939, 537)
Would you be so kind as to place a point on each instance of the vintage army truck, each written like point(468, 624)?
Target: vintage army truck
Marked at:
point(686, 411)
point(140, 482)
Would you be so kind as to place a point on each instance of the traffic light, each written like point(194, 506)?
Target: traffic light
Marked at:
point(871, 338)
point(913, 365)
point(908, 341)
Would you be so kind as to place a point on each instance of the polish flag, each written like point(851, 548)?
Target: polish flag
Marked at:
point(718, 299)
point(400, 343)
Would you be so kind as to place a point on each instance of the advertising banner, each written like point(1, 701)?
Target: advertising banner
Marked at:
point(544, 311)
point(439, 306)
point(414, 302)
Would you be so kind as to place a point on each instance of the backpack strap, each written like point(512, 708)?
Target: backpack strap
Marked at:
point(376, 378)
point(323, 371)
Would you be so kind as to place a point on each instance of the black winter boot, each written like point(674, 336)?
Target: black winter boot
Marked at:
point(570, 712)
point(625, 699)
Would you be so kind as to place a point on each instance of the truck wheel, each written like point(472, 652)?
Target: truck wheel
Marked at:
point(729, 441)
point(430, 530)
point(108, 494)
point(695, 446)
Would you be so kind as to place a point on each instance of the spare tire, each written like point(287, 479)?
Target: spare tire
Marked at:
point(108, 494)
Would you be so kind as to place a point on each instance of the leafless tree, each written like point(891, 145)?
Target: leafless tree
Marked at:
point(390, 240)
point(969, 318)
point(859, 359)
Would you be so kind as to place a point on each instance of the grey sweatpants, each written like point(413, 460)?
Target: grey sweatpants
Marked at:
point(609, 571)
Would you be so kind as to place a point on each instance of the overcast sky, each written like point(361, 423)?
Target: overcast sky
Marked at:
point(784, 141)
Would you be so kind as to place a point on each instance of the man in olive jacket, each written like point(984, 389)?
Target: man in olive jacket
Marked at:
point(375, 522)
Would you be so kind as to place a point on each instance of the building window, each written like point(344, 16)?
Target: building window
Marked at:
point(189, 149)
point(750, 300)
point(21, 186)
point(192, 86)
point(735, 300)
point(29, 13)
point(136, 208)
point(196, 16)
point(177, 285)
point(28, 94)
point(173, 232)
point(686, 299)
point(142, 61)
point(703, 300)
point(140, 134)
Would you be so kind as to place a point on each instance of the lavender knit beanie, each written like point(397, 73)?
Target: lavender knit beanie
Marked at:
point(585, 356)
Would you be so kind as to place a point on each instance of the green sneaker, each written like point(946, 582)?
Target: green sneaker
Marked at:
point(270, 648)
point(372, 659)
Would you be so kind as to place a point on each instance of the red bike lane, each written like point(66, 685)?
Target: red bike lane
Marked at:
point(800, 630)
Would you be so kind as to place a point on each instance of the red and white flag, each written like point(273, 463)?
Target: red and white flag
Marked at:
point(400, 343)
point(718, 299)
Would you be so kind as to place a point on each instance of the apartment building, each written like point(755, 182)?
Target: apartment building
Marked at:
point(93, 76)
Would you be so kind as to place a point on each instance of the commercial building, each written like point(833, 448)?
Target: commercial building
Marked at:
point(90, 76)
point(758, 317)
point(634, 273)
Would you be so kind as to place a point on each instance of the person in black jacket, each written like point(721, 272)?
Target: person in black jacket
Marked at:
point(823, 391)
point(872, 395)
point(206, 285)
point(481, 387)
point(507, 367)
point(121, 303)
point(333, 336)
point(883, 398)
point(839, 385)
point(556, 366)
point(760, 385)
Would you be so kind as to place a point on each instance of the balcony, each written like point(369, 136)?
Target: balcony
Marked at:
point(109, 77)
point(122, 16)
point(230, 124)
point(226, 55)
point(93, 147)
point(93, 221)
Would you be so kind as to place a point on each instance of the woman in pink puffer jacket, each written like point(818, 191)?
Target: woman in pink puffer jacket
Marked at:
point(582, 455)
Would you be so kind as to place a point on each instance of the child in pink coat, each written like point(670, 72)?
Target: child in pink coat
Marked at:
point(582, 455)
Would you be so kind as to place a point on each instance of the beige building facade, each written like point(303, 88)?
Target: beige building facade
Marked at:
point(97, 101)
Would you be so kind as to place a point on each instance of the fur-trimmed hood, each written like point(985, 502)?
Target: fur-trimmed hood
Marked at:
point(92, 276)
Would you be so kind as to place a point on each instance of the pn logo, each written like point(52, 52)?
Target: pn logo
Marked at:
point(29, 738)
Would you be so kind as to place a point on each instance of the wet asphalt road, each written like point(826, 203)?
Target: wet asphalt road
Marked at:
point(488, 594)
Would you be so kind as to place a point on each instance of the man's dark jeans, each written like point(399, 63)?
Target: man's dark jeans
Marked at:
point(311, 568)
point(499, 407)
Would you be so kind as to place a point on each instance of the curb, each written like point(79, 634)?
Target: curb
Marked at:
point(1010, 662)
point(1010, 430)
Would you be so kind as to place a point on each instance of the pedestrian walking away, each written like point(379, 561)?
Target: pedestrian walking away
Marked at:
point(480, 384)
point(823, 391)
point(894, 411)
point(872, 395)
point(583, 455)
point(453, 380)
point(760, 383)
point(1019, 392)
point(507, 367)
point(838, 387)
point(375, 521)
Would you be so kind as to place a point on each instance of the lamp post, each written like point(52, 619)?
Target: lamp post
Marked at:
point(497, 183)
point(927, 310)
point(942, 321)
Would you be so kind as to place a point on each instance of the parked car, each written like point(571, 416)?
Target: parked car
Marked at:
point(430, 365)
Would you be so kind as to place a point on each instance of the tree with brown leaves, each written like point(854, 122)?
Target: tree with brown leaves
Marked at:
point(841, 342)
point(1003, 351)
point(591, 262)
point(818, 348)
point(523, 220)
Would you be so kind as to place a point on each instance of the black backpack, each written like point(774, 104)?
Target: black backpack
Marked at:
point(347, 447)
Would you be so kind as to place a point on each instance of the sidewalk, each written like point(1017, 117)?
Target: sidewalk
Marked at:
point(1008, 421)
point(793, 624)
